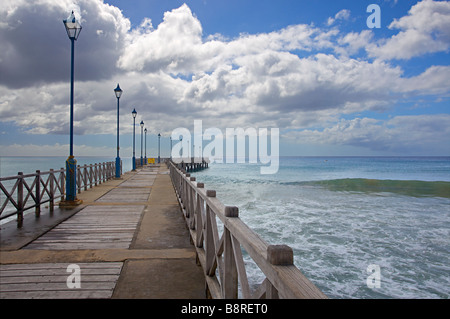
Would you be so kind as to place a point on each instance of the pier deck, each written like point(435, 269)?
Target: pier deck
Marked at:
point(128, 238)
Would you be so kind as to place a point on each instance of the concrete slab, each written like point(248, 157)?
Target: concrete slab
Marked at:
point(160, 279)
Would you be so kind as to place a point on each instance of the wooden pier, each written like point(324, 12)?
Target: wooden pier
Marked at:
point(128, 239)
point(150, 235)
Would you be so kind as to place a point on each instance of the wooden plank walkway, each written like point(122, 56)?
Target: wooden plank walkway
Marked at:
point(129, 240)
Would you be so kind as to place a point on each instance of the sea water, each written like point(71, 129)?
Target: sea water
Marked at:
point(342, 215)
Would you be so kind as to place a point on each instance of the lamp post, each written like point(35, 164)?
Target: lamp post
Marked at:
point(73, 29)
point(142, 127)
point(159, 147)
point(145, 143)
point(134, 113)
point(171, 147)
point(118, 93)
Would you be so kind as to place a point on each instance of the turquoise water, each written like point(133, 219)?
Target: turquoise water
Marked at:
point(341, 215)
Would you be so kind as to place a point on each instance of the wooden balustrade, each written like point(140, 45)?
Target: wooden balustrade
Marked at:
point(45, 187)
point(221, 256)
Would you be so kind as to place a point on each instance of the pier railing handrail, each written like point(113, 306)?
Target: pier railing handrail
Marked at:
point(221, 256)
point(47, 186)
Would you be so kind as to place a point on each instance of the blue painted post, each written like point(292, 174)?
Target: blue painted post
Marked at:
point(142, 136)
point(145, 143)
point(73, 29)
point(134, 113)
point(118, 93)
point(159, 148)
point(71, 163)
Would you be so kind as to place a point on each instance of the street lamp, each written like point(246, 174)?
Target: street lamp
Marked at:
point(145, 158)
point(171, 147)
point(142, 127)
point(159, 147)
point(73, 29)
point(134, 113)
point(118, 93)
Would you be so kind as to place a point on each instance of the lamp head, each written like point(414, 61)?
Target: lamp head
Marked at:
point(73, 27)
point(118, 91)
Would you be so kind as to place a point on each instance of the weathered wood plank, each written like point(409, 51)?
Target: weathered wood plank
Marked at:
point(55, 278)
point(57, 286)
point(95, 227)
point(49, 280)
point(65, 294)
point(111, 265)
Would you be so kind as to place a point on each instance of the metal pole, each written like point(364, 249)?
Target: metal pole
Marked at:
point(71, 163)
point(71, 94)
point(142, 159)
point(159, 148)
point(134, 155)
point(118, 157)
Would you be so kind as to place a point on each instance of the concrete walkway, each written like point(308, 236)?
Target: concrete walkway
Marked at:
point(128, 238)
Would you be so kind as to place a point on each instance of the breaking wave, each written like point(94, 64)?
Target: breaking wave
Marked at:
point(403, 187)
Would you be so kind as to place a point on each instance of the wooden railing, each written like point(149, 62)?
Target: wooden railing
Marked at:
point(33, 190)
point(221, 256)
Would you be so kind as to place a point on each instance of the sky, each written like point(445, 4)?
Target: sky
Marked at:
point(315, 69)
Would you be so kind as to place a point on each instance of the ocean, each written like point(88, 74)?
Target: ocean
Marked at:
point(341, 215)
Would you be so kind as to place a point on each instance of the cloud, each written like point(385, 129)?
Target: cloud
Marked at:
point(300, 77)
point(341, 15)
point(402, 134)
point(36, 50)
point(426, 29)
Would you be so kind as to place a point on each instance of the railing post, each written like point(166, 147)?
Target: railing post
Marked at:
point(99, 173)
point(37, 210)
point(62, 180)
point(230, 282)
point(52, 191)
point(94, 173)
point(199, 219)
point(85, 177)
point(278, 255)
point(20, 200)
point(210, 252)
point(91, 176)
